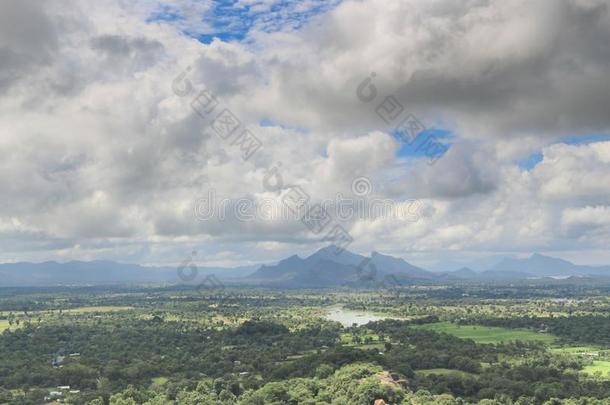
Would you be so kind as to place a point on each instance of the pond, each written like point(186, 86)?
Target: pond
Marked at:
point(348, 317)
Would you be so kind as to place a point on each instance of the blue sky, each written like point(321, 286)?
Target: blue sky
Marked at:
point(529, 162)
point(418, 147)
point(233, 20)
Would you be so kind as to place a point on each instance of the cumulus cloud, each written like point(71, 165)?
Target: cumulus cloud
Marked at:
point(28, 40)
point(486, 67)
point(102, 156)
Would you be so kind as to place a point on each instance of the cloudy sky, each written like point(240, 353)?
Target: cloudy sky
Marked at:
point(111, 141)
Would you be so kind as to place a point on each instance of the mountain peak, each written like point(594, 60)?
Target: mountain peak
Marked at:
point(538, 265)
point(291, 259)
point(325, 251)
point(541, 257)
point(330, 250)
point(376, 253)
point(397, 265)
point(465, 270)
point(330, 253)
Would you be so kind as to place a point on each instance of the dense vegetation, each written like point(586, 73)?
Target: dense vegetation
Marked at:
point(584, 329)
point(178, 346)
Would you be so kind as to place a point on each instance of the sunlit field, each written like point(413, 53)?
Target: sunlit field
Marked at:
point(485, 334)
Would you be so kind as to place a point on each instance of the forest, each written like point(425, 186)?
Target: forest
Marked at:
point(426, 345)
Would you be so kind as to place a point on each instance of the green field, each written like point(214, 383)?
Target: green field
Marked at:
point(576, 349)
point(32, 315)
point(487, 334)
point(599, 367)
point(160, 380)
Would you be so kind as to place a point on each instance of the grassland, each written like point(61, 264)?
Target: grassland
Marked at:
point(598, 367)
point(486, 334)
point(160, 380)
point(45, 315)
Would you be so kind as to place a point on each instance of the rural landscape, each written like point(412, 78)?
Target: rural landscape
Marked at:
point(304, 202)
point(412, 341)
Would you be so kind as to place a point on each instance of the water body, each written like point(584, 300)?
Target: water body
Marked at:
point(349, 317)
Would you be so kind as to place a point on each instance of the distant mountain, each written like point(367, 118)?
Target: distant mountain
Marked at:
point(329, 253)
point(326, 269)
point(314, 271)
point(482, 264)
point(285, 270)
point(394, 265)
point(464, 273)
point(100, 272)
point(538, 265)
point(322, 269)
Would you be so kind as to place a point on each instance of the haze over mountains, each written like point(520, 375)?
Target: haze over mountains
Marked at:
point(101, 273)
point(322, 269)
point(325, 268)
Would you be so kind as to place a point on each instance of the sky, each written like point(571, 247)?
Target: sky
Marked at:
point(114, 134)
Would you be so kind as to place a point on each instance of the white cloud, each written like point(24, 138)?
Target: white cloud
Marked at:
point(99, 158)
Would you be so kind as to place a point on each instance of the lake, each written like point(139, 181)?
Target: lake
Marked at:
point(349, 317)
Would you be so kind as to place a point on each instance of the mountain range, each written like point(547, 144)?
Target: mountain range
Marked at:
point(102, 272)
point(322, 269)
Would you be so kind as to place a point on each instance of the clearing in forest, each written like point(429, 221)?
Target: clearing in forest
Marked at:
point(488, 334)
